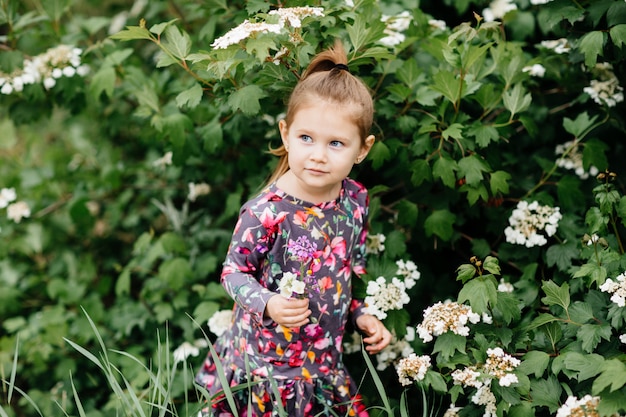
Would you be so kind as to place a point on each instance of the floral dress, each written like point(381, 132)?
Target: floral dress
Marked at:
point(279, 236)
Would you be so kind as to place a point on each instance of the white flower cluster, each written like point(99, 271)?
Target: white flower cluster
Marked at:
point(535, 70)
point(408, 270)
point(187, 349)
point(500, 365)
point(47, 68)
point(447, 316)
point(540, 1)
point(528, 220)
point(559, 46)
point(395, 26)
point(16, 210)
point(398, 348)
point(617, 288)
point(163, 161)
point(197, 190)
point(573, 159)
point(605, 90)
point(290, 284)
point(220, 322)
point(375, 244)
point(484, 396)
point(412, 368)
point(504, 286)
point(289, 15)
point(573, 407)
point(383, 296)
point(497, 9)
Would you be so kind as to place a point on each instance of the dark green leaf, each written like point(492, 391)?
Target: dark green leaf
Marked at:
point(440, 223)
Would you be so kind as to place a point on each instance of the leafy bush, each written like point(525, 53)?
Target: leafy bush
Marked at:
point(126, 156)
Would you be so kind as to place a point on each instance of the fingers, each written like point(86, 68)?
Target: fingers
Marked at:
point(288, 312)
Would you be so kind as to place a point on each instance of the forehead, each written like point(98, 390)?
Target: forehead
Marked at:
point(326, 117)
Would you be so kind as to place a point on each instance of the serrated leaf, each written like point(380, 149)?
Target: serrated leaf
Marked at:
point(613, 376)
point(484, 134)
point(455, 130)
point(498, 182)
point(472, 168)
point(439, 223)
point(177, 42)
point(618, 34)
point(556, 295)
point(541, 320)
point(591, 45)
point(587, 366)
point(449, 343)
point(420, 172)
point(591, 334)
point(379, 154)
point(579, 126)
point(132, 33)
point(407, 213)
point(481, 292)
point(247, 99)
point(445, 168)
point(102, 81)
point(491, 264)
point(534, 362)
point(516, 100)
point(190, 97)
point(158, 28)
point(212, 136)
point(562, 255)
point(465, 272)
point(546, 392)
point(448, 84)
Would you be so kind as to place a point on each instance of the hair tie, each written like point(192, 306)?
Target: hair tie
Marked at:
point(341, 67)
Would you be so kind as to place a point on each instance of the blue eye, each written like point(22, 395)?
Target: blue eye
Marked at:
point(336, 144)
point(306, 138)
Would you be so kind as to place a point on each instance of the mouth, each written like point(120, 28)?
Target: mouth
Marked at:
point(316, 171)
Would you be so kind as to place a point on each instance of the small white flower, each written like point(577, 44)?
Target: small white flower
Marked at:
point(185, 350)
point(504, 286)
point(559, 46)
point(49, 82)
point(164, 160)
point(498, 9)
point(197, 190)
point(535, 70)
point(290, 284)
point(220, 321)
point(437, 24)
point(7, 195)
point(375, 244)
point(17, 211)
point(622, 338)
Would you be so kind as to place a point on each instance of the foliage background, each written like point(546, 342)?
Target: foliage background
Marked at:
point(463, 135)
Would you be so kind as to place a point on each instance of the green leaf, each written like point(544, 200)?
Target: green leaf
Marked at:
point(407, 213)
point(546, 392)
point(562, 255)
point(596, 272)
point(190, 97)
point(445, 168)
point(247, 99)
point(449, 343)
point(516, 100)
point(541, 320)
point(448, 84)
point(158, 28)
point(580, 312)
point(498, 182)
point(556, 295)
point(212, 136)
point(507, 307)
point(175, 272)
point(534, 362)
point(579, 126)
point(176, 126)
point(591, 334)
point(379, 154)
point(420, 172)
point(132, 33)
point(102, 81)
point(472, 168)
point(484, 134)
point(587, 366)
point(618, 35)
point(591, 45)
point(260, 47)
point(481, 292)
point(465, 272)
point(177, 42)
point(570, 192)
point(613, 376)
point(440, 223)
point(455, 130)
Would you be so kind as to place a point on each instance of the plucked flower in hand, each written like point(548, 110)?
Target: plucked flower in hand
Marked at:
point(291, 286)
point(295, 283)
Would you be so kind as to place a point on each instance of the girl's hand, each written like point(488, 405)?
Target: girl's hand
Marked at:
point(288, 312)
point(377, 336)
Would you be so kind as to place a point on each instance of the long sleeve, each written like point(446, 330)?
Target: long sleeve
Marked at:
point(247, 253)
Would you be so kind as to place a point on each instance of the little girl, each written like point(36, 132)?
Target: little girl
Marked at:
point(290, 262)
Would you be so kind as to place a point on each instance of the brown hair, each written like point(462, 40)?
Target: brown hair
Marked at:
point(327, 78)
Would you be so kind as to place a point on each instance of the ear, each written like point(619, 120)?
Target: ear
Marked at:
point(366, 147)
point(284, 132)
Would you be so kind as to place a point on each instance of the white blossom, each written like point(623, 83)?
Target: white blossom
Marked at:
point(452, 411)
point(504, 286)
point(220, 322)
point(559, 46)
point(447, 316)
point(7, 195)
point(17, 211)
point(412, 368)
point(164, 160)
point(497, 9)
point(617, 288)
point(484, 396)
point(500, 365)
point(398, 348)
point(383, 296)
point(605, 90)
point(395, 25)
point(535, 70)
point(197, 190)
point(409, 271)
point(437, 24)
point(622, 338)
point(540, 1)
point(289, 15)
point(573, 160)
point(187, 349)
point(290, 284)
point(573, 407)
point(375, 244)
point(527, 222)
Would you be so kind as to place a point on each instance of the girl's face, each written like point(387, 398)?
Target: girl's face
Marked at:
point(323, 143)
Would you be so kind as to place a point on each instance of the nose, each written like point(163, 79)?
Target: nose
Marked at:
point(318, 153)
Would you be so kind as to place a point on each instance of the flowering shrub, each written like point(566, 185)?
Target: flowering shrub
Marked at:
point(125, 159)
